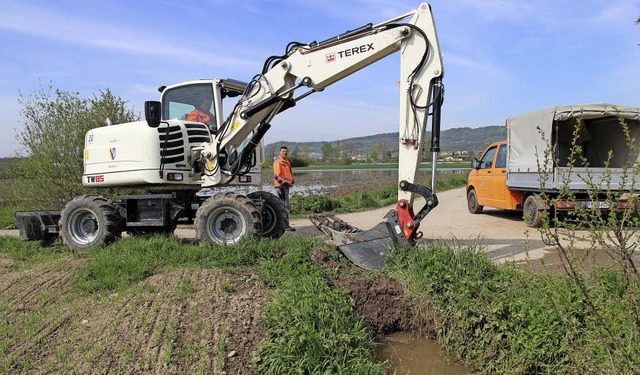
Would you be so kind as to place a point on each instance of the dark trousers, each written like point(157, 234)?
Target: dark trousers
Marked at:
point(283, 194)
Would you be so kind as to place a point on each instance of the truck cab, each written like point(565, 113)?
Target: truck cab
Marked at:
point(486, 185)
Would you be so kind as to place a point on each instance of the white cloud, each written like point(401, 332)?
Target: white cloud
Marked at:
point(53, 24)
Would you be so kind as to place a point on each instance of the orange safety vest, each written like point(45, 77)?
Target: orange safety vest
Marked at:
point(282, 174)
point(200, 116)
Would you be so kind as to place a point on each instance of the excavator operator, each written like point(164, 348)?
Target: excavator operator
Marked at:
point(202, 113)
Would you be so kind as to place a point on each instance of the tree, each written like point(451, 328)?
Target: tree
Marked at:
point(373, 155)
point(344, 159)
point(54, 124)
point(350, 148)
point(328, 152)
point(305, 149)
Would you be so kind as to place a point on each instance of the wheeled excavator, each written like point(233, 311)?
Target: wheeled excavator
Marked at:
point(176, 158)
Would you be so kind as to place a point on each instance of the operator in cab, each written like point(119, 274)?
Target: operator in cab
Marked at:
point(202, 113)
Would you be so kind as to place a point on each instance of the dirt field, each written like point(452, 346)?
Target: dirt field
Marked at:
point(208, 321)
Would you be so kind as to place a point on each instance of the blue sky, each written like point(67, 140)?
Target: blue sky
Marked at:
point(501, 57)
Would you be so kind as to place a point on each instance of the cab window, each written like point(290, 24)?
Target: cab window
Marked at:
point(501, 161)
point(178, 102)
point(487, 159)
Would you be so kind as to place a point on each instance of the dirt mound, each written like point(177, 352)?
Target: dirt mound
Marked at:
point(381, 300)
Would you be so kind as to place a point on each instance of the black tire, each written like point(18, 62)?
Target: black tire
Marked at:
point(472, 202)
point(533, 211)
point(274, 216)
point(89, 221)
point(226, 218)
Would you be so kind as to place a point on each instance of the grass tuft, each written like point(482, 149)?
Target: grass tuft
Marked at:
point(313, 328)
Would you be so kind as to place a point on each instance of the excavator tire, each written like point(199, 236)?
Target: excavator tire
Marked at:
point(226, 218)
point(89, 221)
point(275, 218)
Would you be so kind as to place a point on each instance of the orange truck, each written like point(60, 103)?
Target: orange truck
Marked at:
point(536, 158)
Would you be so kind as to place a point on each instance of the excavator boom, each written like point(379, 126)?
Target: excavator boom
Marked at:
point(314, 66)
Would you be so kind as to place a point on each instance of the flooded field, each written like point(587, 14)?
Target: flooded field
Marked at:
point(338, 183)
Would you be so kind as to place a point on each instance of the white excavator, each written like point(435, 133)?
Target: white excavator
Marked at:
point(175, 158)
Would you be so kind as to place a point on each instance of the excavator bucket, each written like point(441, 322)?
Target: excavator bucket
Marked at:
point(367, 249)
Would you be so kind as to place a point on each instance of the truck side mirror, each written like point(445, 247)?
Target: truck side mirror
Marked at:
point(152, 113)
point(475, 164)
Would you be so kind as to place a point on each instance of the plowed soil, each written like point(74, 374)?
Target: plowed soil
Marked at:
point(185, 321)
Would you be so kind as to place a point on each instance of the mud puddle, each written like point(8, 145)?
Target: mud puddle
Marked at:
point(410, 354)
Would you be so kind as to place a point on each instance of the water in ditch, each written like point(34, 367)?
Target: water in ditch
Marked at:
point(408, 354)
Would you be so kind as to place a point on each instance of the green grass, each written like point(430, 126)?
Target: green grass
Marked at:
point(7, 220)
point(27, 253)
point(130, 260)
point(313, 328)
point(497, 318)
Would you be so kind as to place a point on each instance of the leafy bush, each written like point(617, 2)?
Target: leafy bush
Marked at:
point(54, 123)
point(312, 204)
point(297, 162)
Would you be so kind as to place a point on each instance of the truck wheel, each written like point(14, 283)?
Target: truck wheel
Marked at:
point(533, 211)
point(472, 202)
point(226, 218)
point(274, 216)
point(89, 221)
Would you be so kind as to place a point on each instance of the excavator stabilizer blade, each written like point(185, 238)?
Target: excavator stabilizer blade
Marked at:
point(367, 249)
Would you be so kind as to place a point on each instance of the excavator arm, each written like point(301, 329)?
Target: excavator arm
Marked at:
point(305, 69)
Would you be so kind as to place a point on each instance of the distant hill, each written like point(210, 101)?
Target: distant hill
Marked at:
point(452, 140)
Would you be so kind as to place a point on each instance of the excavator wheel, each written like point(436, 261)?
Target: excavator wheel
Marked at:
point(226, 218)
point(274, 216)
point(89, 221)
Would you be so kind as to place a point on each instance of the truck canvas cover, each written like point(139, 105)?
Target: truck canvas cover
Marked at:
point(530, 134)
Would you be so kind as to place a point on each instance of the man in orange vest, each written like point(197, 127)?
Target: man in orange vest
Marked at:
point(283, 179)
point(203, 114)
